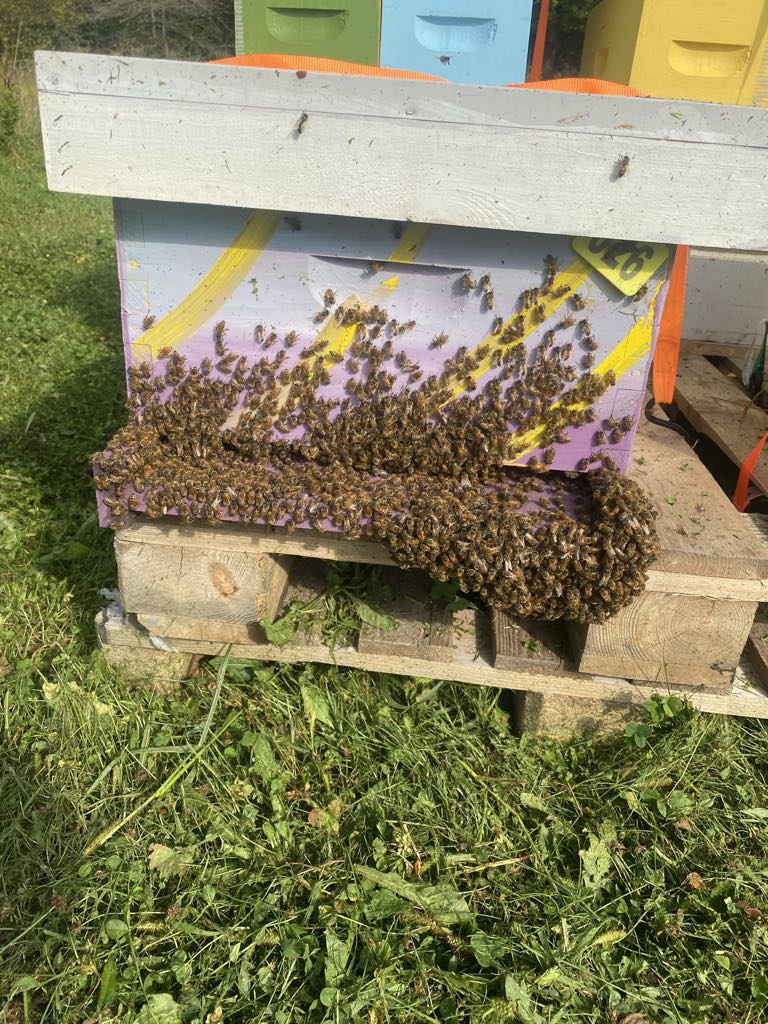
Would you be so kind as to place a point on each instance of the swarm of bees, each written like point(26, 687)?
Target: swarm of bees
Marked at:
point(415, 461)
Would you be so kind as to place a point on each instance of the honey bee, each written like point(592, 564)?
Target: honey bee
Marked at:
point(165, 351)
point(330, 297)
point(539, 312)
point(118, 525)
point(336, 357)
point(301, 123)
point(560, 292)
point(600, 437)
point(551, 263)
point(376, 267)
point(498, 323)
point(218, 335)
point(490, 299)
point(617, 435)
point(351, 386)
point(353, 366)
point(582, 465)
point(548, 456)
point(588, 360)
point(407, 326)
point(270, 339)
point(133, 502)
point(290, 339)
point(622, 166)
point(567, 321)
point(468, 283)
point(321, 315)
point(577, 301)
point(439, 340)
point(225, 363)
point(640, 293)
point(148, 320)
point(626, 423)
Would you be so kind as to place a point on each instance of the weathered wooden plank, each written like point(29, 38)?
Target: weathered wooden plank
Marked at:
point(700, 531)
point(525, 644)
point(716, 406)
point(681, 641)
point(757, 651)
point(228, 136)
point(422, 630)
point(468, 665)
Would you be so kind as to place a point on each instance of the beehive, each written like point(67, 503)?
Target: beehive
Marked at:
point(311, 28)
point(692, 49)
point(485, 42)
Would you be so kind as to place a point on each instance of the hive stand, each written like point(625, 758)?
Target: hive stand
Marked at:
point(197, 589)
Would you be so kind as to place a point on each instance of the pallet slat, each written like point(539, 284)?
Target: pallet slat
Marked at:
point(470, 664)
point(422, 630)
point(524, 644)
point(717, 407)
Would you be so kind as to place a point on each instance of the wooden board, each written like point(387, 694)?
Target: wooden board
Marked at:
point(701, 533)
point(716, 406)
point(422, 629)
point(519, 159)
point(525, 644)
point(469, 664)
point(757, 651)
point(667, 639)
point(214, 583)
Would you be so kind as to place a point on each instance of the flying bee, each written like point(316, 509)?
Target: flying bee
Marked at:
point(578, 301)
point(290, 339)
point(439, 340)
point(165, 351)
point(376, 267)
point(468, 283)
point(218, 335)
point(567, 321)
point(321, 315)
point(147, 322)
point(640, 293)
point(622, 166)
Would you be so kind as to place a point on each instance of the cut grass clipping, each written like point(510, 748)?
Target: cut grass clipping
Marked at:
point(304, 844)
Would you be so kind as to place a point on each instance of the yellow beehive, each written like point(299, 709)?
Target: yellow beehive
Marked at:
point(684, 49)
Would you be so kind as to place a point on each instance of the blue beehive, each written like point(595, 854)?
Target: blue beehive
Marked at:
point(485, 43)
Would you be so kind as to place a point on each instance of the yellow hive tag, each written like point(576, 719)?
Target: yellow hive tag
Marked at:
point(627, 265)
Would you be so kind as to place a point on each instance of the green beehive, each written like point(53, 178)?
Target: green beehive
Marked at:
point(340, 29)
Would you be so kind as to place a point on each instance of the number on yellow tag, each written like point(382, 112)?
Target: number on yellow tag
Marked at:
point(627, 265)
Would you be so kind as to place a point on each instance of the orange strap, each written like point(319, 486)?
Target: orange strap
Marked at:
point(537, 57)
point(670, 330)
point(289, 62)
point(741, 496)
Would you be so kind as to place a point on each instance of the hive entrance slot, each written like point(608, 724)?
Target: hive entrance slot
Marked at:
point(304, 26)
point(454, 35)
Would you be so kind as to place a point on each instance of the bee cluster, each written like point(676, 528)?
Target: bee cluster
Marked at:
point(416, 463)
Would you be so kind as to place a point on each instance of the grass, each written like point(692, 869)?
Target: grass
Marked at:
point(296, 844)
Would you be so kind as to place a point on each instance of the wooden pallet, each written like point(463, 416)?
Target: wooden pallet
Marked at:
point(194, 590)
point(716, 405)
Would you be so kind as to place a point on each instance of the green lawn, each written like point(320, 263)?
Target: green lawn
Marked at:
point(306, 844)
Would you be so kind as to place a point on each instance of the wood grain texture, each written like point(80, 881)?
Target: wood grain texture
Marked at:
point(700, 531)
point(422, 630)
point(670, 640)
point(469, 664)
point(526, 644)
point(756, 651)
point(214, 583)
point(716, 406)
point(226, 135)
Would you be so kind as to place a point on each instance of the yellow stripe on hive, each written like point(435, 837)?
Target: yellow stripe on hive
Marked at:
point(573, 276)
point(226, 274)
point(621, 359)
